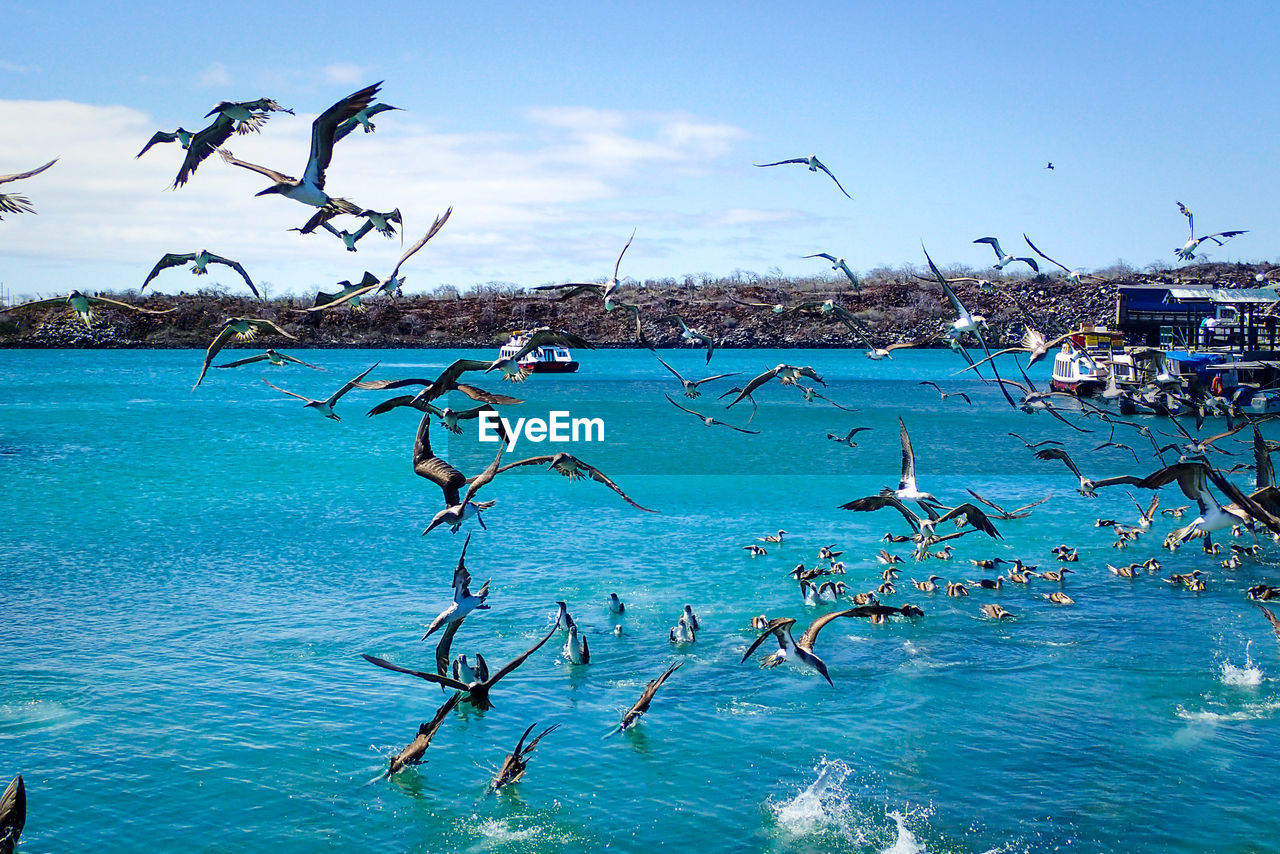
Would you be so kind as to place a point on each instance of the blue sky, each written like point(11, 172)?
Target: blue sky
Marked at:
point(554, 131)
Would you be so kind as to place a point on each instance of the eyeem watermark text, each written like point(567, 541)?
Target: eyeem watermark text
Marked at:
point(558, 427)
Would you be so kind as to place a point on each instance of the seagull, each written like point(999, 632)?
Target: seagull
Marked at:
point(847, 440)
point(788, 647)
point(200, 261)
point(413, 753)
point(708, 420)
point(1003, 259)
point(231, 117)
point(13, 814)
point(513, 767)
point(543, 336)
point(241, 329)
point(690, 386)
point(786, 374)
point(325, 407)
point(642, 705)
point(82, 305)
point(273, 357)
point(310, 189)
point(475, 693)
point(1188, 250)
point(814, 165)
point(370, 284)
point(839, 264)
point(16, 202)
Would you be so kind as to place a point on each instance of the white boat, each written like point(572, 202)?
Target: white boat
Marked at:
point(552, 359)
point(1082, 365)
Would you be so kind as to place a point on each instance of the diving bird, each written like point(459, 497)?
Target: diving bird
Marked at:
point(839, 264)
point(1188, 250)
point(16, 202)
point(797, 650)
point(413, 753)
point(464, 602)
point(372, 285)
point(543, 336)
point(475, 693)
point(513, 767)
point(13, 814)
point(272, 357)
point(200, 260)
point(814, 165)
point(229, 117)
point(690, 386)
point(83, 305)
point(1004, 259)
point(310, 189)
point(325, 407)
point(786, 374)
point(646, 698)
point(240, 329)
point(708, 420)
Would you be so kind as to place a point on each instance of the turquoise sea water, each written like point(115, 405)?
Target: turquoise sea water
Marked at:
point(187, 581)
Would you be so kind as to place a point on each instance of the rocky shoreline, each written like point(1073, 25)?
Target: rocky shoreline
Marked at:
point(896, 308)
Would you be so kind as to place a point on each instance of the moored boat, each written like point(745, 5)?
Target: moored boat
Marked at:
point(551, 359)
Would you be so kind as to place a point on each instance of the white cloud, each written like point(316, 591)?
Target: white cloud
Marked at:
point(15, 68)
point(213, 76)
point(345, 73)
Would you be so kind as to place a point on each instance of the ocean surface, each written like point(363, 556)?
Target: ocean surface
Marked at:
point(188, 579)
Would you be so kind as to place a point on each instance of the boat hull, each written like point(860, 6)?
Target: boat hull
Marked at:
point(550, 367)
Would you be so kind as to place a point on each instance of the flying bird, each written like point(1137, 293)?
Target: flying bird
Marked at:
point(273, 357)
point(1073, 276)
point(791, 649)
point(16, 202)
point(83, 305)
point(361, 120)
point(200, 261)
point(708, 420)
point(371, 284)
point(230, 117)
point(839, 264)
point(690, 386)
point(241, 329)
point(1188, 250)
point(464, 602)
point(310, 189)
point(1004, 259)
point(325, 407)
point(814, 165)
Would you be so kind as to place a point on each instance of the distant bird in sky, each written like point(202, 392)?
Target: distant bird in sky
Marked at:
point(847, 440)
point(694, 336)
point(310, 189)
point(1188, 250)
point(1050, 165)
point(839, 264)
point(606, 290)
point(231, 117)
point(814, 165)
point(1004, 259)
point(16, 202)
point(786, 374)
point(946, 394)
point(200, 260)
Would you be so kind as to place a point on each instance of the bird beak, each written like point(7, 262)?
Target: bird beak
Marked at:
point(268, 191)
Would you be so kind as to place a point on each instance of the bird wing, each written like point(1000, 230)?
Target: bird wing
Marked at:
point(946, 288)
point(833, 177)
point(995, 246)
point(4, 179)
point(215, 345)
point(238, 362)
point(826, 255)
point(118, 304)
point(908, 480)
point(974, 516)
point(749, 387)
point(810, 635)
point(286, 391)
point(160, 136)
point(422, 241)
point(235, 265)
point(446, 681)
point(203, 143)
point(992, 504)
point(877, 502)
point(646, 697)
point(668, 367)
point(1271, 618)
point(461, 577)
point(13, 813)
point(618, 264)
point(429, 466)
point(170, 259)
point(1264, 473)
point(278, 177)
point(1191, 223)
point(326, 125)
point(775, 627)
point(781, 162)
point(1059, 454)
point(444, 647)
point(350, 384)
point(1042, 255)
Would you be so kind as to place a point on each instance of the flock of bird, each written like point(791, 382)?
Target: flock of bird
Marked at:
point(470, 680)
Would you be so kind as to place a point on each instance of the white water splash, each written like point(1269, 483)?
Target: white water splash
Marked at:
point(905, 843)
point(818, 806)
point(496, 832)
point(1249, 676)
